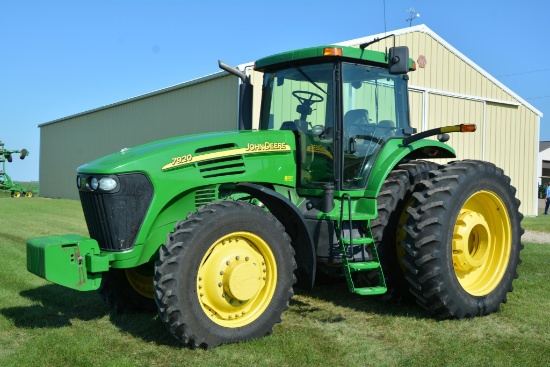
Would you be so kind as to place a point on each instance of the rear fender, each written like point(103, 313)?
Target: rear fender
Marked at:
point(295, 226)
point(394, 153)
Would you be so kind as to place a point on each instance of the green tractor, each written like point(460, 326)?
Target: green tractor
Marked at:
point(215, 230)
point(6, 184)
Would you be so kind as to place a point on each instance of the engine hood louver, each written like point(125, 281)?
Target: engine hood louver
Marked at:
point(205, 195)
point(221, 165)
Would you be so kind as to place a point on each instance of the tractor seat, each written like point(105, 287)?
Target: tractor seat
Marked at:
point(289, 125)
point(386, 123)
point(358, 116)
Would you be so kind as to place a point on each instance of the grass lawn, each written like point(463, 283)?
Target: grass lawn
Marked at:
point(537, 224)
point(540, 223)
point(43, 324)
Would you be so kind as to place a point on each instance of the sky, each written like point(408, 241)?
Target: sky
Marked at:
point(59, 58)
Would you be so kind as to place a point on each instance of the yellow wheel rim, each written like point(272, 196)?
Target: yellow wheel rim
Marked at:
point(482, 243)
point(142, 284)
point(236, 279)
point(16, 194)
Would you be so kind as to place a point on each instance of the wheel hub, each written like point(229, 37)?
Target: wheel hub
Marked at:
point(471, 241)
point(242, 280)
point(236, 279)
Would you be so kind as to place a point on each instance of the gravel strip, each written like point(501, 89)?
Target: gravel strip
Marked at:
point(535, 237)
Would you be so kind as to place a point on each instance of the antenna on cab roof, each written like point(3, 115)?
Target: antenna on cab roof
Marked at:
point(362, 46)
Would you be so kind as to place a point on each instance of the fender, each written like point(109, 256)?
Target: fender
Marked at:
point(394, 152)
point(295, 225)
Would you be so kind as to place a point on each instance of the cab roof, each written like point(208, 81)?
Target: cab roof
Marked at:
point(331, 51)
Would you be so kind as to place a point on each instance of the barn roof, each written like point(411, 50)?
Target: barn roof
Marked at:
point(424, 29)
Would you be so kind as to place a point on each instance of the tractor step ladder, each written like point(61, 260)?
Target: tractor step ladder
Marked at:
point(351, 267)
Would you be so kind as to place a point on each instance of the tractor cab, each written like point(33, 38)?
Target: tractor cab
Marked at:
point(342, 109)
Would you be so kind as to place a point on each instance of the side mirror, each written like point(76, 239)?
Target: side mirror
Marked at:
point(398, 60)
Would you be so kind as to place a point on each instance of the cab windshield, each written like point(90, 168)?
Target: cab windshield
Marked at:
point(367, 105)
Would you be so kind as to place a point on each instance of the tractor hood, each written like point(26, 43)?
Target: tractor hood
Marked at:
point(217, 157)
point(179, 173)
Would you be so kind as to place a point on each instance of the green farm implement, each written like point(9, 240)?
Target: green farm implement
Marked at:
point(214, 230)
point(6, 183)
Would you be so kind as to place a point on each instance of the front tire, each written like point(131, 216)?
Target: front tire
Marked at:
point(225, 275)
point(463, 240)
point(128, 290)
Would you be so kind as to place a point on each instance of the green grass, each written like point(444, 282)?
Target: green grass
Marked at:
point(538, 224)
point(43, 324)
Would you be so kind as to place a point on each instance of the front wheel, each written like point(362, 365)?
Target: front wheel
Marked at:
point(463, 240)
point(224, 275)
point(128, 290)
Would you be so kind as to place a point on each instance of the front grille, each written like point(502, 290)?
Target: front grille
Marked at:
point(114, 219)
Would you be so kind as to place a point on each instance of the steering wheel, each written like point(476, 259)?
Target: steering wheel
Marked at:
point(313, 97)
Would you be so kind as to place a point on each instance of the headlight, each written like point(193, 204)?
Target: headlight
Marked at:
point(107, 184)
point(94, 183)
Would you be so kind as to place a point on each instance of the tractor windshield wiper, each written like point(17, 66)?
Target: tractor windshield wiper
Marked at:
point(309, 79)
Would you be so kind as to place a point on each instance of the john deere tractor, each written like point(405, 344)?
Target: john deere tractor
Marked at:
point(214, 230)
point(6, 183)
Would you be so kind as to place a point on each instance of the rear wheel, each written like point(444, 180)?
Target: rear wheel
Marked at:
point(128, 290)
point(29, 194)
point(463, 240)
point(393, 200)
point(224, 275)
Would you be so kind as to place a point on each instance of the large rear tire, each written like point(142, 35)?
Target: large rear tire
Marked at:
point(393, 200)
point(225, 275)
point(463, 240)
